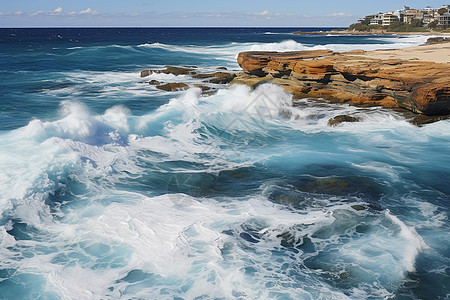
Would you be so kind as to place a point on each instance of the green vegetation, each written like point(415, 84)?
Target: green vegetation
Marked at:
point(397, 26)
point(363, 27)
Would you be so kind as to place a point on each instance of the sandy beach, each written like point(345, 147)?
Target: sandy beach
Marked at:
point(438, 53)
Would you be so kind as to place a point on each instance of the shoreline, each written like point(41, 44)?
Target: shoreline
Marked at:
point(414, 78)
point(345, 32)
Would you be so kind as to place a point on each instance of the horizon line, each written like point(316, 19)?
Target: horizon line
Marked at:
point(96, 27)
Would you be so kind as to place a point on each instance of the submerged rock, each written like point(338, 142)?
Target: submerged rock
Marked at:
point(358, 207)
point(341, 119)
point(173, 87)
point(328, 186)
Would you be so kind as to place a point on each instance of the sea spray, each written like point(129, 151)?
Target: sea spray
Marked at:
point(126, 191)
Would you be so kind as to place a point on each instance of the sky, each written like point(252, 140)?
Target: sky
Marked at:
point(180, 13)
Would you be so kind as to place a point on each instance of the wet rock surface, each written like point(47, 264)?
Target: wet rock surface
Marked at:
point(208, 80)
point(173, 86)
point(342, 119)
point(352, 77)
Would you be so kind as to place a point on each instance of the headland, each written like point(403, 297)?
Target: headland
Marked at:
point(416, 78)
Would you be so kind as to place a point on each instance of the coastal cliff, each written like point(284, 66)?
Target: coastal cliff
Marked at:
point(416, 79)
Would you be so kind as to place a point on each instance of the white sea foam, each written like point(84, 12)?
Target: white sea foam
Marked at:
point(200, 244)
point(231, 50)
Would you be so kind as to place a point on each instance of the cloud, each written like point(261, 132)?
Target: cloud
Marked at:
point(58, 10)
point(230, 18)
point(340, 14)
point(263, 13)
point(37, 13)
point(89, 11)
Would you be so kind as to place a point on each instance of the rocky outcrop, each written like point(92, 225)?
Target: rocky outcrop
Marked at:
point(217, 77)
point(173, 86)
point(342, 119)
point(438, 40)
point(352, 77)
point(208, 82)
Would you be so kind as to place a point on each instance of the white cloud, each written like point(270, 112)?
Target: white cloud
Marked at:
point(340, 14)
point(37, 13)
point(59, 11)
point(263, 13)
point(88, 11)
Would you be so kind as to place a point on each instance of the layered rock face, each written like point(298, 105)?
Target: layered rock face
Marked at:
point(352, 77)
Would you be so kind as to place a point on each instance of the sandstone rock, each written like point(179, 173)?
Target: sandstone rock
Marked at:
point(341, 119)
point(172, 87)
point(353, 77)
point(253, 62)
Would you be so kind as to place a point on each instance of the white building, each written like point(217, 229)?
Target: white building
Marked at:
point(376, 19)
point(389, 18)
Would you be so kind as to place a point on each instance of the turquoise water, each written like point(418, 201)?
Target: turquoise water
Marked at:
point(110, 188)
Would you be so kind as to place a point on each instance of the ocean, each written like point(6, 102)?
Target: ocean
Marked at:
point(113, 189)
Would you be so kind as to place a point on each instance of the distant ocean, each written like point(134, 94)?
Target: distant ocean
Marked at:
point(111, 188)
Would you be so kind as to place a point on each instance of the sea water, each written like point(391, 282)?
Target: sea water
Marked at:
point(111, 188)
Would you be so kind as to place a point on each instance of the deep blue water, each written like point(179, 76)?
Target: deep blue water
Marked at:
point(110, 188)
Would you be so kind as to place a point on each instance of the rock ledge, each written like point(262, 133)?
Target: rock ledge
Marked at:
point(353, 77)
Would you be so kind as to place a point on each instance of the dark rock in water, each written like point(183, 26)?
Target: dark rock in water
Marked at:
point(363, 228)
point(173, 87)
point(146, 73)
point(154, 82)
point(206, 90)
point(170, 70)
point(358, 207)
point(358, 186)
point(286, 200)
point(217, 77)
point(420, 120)
point(222, 78)
point(222, 68)
point(437, 40)
point(341, 119)
point(203, 75)
point(328, 186)
point(178, 71)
